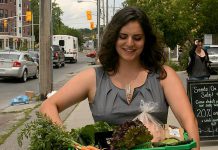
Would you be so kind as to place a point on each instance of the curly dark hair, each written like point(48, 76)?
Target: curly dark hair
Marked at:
point(152, 57)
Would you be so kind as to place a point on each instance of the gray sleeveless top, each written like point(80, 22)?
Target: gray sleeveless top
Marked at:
point(110, 103)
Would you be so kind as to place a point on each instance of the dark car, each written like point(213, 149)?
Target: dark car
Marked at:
point(58, 57)
point(34, 55)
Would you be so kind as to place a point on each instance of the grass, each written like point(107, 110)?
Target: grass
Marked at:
point(19, 123)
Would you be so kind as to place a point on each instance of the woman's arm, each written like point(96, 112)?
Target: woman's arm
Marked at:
point(80, 87)
point(179, 103)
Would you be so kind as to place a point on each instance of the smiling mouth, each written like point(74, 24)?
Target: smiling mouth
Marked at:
point(129, 50)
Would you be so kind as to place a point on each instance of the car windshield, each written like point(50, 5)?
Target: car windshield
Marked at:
point(212, 50)
point(55, 48)
point(9, 56)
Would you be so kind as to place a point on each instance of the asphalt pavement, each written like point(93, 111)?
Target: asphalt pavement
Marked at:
point(11, 116)
point(74, 117)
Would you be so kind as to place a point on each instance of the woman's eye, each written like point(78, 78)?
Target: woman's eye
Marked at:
point(137, 38)
point(122, 36)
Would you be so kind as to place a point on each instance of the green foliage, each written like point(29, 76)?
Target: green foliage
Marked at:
point(174, 65)
point(130, 134)
point(44, 135)
point(87, 133)
point(184, 60)
point(58, 26)
point(180, 20)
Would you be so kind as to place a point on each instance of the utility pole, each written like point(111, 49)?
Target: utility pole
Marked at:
point(114, 8)
point(32, 37)
point(106, 12)
point(45, 64)
point(103, 13)
point(98, 24)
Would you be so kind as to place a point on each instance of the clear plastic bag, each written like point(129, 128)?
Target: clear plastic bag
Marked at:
point(153, 125)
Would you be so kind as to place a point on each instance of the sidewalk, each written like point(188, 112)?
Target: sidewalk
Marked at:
point(11, 116)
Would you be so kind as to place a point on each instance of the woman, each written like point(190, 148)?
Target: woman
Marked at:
point(198, 62)
point(132, 72)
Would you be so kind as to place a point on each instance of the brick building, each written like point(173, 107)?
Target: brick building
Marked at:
point(15, 31)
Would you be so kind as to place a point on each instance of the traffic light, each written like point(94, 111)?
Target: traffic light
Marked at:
point(89, 15)
point(5, 23)
point(28, 15)
point(92, 25)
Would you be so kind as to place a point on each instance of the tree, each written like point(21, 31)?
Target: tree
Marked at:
point(180, 20)
point(58, 26)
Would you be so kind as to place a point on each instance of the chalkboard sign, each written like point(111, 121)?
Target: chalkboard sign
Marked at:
point(204, 99)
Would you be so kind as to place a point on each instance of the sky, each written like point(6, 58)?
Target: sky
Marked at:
point(74, 13)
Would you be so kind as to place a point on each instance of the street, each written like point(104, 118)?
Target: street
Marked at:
point(11, 88)
point(82, 115)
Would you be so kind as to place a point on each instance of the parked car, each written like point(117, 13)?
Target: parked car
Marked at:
point(213, 55)
point(17, 64)
point(34, 55)
point(58, 57)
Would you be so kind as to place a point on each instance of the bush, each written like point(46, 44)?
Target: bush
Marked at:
point(183, 58)
point(174, 65)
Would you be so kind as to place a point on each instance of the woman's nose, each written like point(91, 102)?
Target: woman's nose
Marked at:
point(129, 41)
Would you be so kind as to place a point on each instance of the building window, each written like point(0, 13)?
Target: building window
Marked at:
point(6, 1)
point(7, 42)
point(6, 13)
point(1, 27)
point(1, 13)
point(1, 1)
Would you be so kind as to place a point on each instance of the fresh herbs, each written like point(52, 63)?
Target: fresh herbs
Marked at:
point(87, 133)
point(44, 135)
point(130, 134)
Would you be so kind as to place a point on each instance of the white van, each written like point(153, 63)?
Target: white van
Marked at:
point(69, 44)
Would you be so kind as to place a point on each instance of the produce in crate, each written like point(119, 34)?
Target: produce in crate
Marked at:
point(44, 135)
point(130, 134)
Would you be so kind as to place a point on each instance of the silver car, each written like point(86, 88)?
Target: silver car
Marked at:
point(18, 64)
point(213, 55)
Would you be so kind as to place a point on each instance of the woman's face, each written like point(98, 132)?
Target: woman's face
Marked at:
point(199, 44)
point(130, 42)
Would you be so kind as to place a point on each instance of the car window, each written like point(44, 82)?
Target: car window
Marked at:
point(55, 48)
point(10, 56)
point(212, 50)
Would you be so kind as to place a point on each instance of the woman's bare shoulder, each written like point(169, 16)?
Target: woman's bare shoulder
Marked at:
point(171, 74)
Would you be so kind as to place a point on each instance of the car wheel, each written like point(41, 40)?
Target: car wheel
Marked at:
point(24, 76)
point(71, 60)
point(36, 76)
